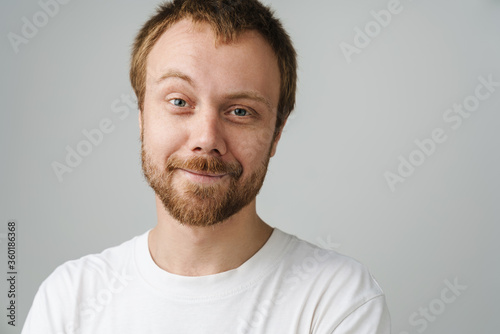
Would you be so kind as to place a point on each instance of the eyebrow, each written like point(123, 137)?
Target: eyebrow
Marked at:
point(251, 95)
point(175, 74)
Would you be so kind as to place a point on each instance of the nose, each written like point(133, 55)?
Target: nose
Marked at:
point(207, 135)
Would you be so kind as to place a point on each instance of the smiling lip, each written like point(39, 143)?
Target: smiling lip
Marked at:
point(203, 173)
point(202, 177)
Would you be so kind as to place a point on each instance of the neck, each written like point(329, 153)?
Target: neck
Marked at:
point(198, 251)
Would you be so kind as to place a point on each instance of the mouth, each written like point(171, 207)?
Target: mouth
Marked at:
point(202, 177)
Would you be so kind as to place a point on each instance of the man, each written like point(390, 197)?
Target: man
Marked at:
point(215, 82)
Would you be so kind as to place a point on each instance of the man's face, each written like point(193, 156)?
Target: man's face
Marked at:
point(208, 121)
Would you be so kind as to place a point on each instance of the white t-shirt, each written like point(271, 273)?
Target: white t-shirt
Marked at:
point(289, 286)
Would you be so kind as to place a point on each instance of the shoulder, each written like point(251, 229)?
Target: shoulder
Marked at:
point(75, 287)
point(340, 292)
point(328, 263)
point(340, 278)
point(90, 271)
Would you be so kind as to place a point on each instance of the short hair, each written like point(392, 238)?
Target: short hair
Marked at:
point(228, 19)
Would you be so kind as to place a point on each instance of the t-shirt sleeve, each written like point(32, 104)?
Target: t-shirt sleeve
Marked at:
point(37, 321)
point(52, 306)
point(370, 318)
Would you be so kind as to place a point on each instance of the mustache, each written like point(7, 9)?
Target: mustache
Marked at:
point(210, 164)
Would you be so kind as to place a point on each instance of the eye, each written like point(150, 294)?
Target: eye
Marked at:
point(240, 112)
point(178, 102)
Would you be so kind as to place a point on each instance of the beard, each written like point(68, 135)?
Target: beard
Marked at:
point(202, 205)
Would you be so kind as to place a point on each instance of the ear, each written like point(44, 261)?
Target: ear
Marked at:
point(276, 140)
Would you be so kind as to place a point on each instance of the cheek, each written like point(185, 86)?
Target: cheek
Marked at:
point(254, 148)
point(161, 139)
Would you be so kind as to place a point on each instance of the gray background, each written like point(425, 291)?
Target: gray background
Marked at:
point(326, 184)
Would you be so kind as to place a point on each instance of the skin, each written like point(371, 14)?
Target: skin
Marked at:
point(195, 92)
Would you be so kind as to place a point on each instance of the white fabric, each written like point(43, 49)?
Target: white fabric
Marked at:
point(289, 286)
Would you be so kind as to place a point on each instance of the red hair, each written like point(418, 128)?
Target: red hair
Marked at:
point(228, 19)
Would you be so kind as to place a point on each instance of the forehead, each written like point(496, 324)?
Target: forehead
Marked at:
point(247, 63)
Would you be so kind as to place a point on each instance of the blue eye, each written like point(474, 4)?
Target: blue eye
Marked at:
point(240, 112)
point(178, 102)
